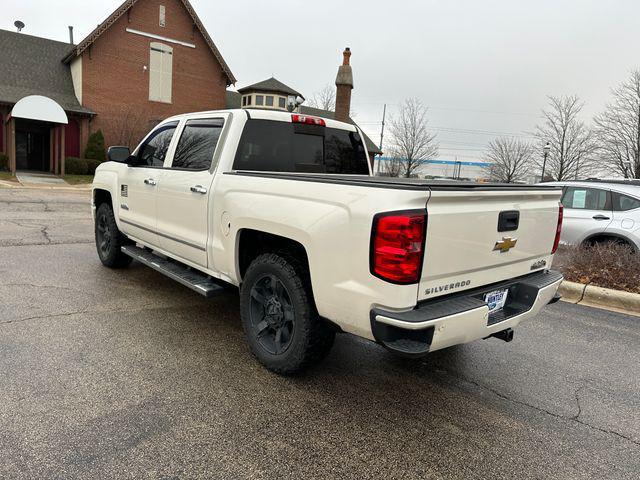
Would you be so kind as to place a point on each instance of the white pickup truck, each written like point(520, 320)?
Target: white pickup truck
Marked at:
point(284, 207)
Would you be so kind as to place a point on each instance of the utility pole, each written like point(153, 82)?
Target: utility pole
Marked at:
point(384, 114)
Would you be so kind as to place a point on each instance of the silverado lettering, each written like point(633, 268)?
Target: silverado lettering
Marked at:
point(450, 286)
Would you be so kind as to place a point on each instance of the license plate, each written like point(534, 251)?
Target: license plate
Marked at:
point(496, 300)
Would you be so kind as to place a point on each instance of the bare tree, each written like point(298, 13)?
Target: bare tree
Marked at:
point(571, 140)
point(511, 159)
point(324, 99)
point(411, 141)
point(127, 125)
point(618, 129)
point(391, 167)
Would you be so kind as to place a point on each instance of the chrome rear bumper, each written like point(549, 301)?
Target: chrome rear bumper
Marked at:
point(463, 317)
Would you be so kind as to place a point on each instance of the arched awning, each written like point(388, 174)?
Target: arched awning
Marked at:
point(37, 107)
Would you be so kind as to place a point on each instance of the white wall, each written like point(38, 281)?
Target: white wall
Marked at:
point(76, 76)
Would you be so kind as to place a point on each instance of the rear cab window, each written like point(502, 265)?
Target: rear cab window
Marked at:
point(274, 146)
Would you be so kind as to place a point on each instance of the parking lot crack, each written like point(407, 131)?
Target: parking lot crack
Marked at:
point(35, 285)
point(512, 400)
point(605, 430)
point(43, 229)
point(41, 317)
point(574, 418)
point(577, 397)
point(50, 242)
point(69, 314)
point(45, 234)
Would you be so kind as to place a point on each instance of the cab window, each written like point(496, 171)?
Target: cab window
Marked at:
point(154, 150)
point(197, 144)
point(271, 146)
point(582, 198)
point(622, 203)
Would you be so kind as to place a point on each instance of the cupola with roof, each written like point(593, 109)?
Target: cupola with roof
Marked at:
point(268, 94)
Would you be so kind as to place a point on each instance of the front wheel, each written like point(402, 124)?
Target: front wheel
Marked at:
point(279, 318)
point(109, 239)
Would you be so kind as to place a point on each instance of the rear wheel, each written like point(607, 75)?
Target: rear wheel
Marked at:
point(609, 241)
point(279, 318)
point(109, 239)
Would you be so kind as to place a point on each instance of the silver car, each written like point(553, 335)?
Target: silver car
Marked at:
point(600, 211)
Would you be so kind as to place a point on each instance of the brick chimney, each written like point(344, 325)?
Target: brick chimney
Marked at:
point(344, 85)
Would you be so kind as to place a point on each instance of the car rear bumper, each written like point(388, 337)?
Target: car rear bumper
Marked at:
point(463, 317)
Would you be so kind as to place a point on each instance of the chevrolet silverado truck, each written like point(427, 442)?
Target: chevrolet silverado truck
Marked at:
point(284, 206)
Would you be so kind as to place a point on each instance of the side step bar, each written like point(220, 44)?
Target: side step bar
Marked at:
point(195, 280)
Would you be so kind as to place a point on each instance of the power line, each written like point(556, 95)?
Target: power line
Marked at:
point(472, 131)
point(460, 109)
point(459, 148)
point(465, 131)
point(457, 142)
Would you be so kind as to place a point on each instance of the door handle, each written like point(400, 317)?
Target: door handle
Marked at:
point(600, 217)
point(149, 181)
point(199, 189)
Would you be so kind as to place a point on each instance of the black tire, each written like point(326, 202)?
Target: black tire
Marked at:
point(608, 241)
point(275, 295)
point(109, 239)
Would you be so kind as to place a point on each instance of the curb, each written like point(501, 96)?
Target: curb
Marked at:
point(593, 296)
point(65, 188)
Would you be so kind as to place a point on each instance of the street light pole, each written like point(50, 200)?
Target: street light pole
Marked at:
point(384, 114)
point(545, 150)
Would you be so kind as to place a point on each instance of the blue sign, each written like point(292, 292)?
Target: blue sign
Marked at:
point(443, 162)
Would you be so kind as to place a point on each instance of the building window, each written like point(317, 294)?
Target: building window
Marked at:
point(160, 72)
point(269, 102)
point(248, 100)
point(244, 101)
point(259, 99)
point(162, 15)
point(282, 102)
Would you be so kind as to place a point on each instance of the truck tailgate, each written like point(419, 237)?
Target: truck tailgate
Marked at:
point(464, 248)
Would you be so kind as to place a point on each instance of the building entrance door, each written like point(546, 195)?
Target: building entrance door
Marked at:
point(32, 146)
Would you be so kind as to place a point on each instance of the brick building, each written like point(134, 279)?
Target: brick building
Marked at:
point(148, 60)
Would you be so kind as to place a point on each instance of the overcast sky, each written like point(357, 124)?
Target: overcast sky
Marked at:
point(482, 67)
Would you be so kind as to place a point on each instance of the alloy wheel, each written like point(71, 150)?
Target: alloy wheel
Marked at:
point(272, 314)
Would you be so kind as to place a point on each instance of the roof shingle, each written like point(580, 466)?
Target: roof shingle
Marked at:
point(270, 85)
point(33, 66)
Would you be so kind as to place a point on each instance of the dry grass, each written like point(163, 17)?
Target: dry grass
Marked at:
point(607, 265)
point(78, 179)
point(8, 176)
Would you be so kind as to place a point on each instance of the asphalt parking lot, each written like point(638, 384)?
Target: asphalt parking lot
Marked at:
point(126, 374)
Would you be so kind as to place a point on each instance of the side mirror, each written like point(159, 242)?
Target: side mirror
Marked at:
point(118, 154)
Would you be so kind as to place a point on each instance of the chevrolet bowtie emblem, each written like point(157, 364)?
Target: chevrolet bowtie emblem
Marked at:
point(506, 244)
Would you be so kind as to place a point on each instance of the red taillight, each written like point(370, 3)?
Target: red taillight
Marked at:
point(397, 246)
point(558, 230)
point(295, 118)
